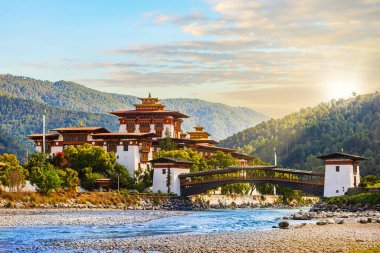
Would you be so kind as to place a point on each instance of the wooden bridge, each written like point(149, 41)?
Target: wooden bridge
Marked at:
point(309, 182)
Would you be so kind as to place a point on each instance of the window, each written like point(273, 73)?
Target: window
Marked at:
point(144, 127)
point(125, 146)
point(144, 158)
point(337, 168)
point(130, 126)
point(337, 191)
point(164, 171)
point(111, 147)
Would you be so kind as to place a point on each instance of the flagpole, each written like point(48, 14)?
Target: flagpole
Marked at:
point(275, 157)
point(43, 132)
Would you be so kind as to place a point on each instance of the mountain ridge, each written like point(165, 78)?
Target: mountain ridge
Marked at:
point(219, 119)
point(352, 125)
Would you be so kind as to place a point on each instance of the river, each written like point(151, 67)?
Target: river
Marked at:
point(13, 239)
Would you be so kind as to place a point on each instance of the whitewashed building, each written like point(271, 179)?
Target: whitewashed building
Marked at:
point(139, 136)
point(341, 173)
point(165, 174)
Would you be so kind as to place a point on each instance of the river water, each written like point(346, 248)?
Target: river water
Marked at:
point(198, 222)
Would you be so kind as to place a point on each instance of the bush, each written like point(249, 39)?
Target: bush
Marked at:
point(366, 198)
point(46, 178)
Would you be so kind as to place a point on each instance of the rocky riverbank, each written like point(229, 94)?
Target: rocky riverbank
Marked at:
point(78, 217)
point(308, 238)
point(339, 213)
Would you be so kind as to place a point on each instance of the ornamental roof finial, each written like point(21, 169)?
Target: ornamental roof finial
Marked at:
point(150, 95)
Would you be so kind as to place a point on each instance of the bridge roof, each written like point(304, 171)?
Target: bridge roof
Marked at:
point(339, 155)
point(241, 168)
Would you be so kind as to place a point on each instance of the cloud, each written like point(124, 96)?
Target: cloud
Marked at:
point(263, 53)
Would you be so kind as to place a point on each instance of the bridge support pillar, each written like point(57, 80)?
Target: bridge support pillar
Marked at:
point(165, 174)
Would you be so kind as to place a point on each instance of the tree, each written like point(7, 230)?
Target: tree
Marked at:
point(167, 143)
point(69, 178)
point(88, 180)
point(143, 179)
point(221, 160)
point(289, 195)
point(200, 163)
point(46, 178)
point(35, 160)
point(12, 174)
point(14, 179)
point(59, 160)
point(91, 163)
point(121, 174)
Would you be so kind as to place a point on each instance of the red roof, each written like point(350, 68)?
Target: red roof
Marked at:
point(174, 114)
point(81, 129)
point(40, 136)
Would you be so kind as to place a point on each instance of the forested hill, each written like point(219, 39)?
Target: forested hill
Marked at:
point(219, 119)
point(20, 117)
point(352, 125)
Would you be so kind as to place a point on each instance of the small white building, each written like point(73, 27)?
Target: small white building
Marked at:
point(165, 174)
point(341, 173)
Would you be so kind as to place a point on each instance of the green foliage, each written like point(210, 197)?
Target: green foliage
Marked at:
point(200, 163)
point(88, 156)
point(46, 178)
point(221, 160)
point(9, 144)
point(242, 189)
point(352, 124)
point(265, 188)
point(366, 198)
point(143, 179)
point(125, 180)
point(12, 175)
point(89, 177)
point(69, 178)
point(36, 160)
point(221, 120)
point(371, 181)
point(20, 118)
point(167, 143)
point(289, 195)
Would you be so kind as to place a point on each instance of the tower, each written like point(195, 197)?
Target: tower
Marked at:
point(150, 117)
point(165, 174)
point(341, 173)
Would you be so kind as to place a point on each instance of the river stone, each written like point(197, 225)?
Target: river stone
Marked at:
point(283, 225)
point(321, 223)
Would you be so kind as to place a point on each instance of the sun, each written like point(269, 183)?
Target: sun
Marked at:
point(342, 89)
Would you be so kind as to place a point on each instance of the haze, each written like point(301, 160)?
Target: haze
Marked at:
point(272, 56)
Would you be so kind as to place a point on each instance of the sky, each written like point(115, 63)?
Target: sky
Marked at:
point(272, 56)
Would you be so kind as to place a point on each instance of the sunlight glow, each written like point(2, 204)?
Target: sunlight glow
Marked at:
point(342, 87)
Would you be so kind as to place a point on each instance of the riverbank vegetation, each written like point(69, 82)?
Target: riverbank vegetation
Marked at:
point(369, 199)
point(84, 164)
